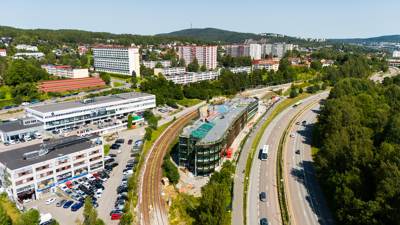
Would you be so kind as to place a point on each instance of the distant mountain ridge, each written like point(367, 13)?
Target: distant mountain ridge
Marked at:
point(386, 38)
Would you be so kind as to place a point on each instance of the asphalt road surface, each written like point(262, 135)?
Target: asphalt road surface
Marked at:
point(376, 76)
point(307, 204)
point(263, 174)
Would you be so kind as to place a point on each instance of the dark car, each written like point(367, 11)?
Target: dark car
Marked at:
point(116, 212)
point(95, 204)
point(175, 107)
point(33, 137)
point(54, 132)
point(114, 165)
point(6, 143)
point(98, 181)
point(114, 147)
point(15, 106)
point(116, 144)
point(264, 221)
point(46, 139)
point(304, 122)
point(22, 140)
point(122, 189)
point(41, 100)
point(130, 165)
point(298, 152)
point(134, 155)
point(112, 155)
point(76, 206)
point(130, 141)
point(300, 175)
point(119, 202)
point(100, 186)
point(263, 197)
point(76, 93)
point(120, 141)
point(62, 96)
point(110, 160)
point(107, 167)
point(7, 107)
point(61, 203)
point(68, 204)
point(69, 95)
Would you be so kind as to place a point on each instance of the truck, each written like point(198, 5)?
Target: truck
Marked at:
point(45, 219)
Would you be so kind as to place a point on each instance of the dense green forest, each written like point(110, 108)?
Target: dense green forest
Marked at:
point(59, 37)
point(358, 163)
point(388, 38)
point(213, 34)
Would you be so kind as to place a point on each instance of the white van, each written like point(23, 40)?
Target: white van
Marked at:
point(12, 142)
point(45, 219)
point(38, 135)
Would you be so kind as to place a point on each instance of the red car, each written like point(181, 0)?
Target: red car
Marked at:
point(130, 141)
point(116, 216)
point(69, 184)
point(96, 175)
point(98, 89)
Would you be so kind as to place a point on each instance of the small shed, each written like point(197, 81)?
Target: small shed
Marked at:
point(165, 181)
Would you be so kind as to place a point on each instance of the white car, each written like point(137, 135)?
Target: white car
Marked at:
point(14, 119)
point(104, 179)
point(91, 177)
point(81, 93)
point(38, 135)
point(292, 135)
point(49, 201)
point(123, 183)
point(99, 192)
point(25, 103)
point(27, 138)
point(86, 185)
point(119, 151)
point(128, 172)
point(63, 187)
point(12, 142)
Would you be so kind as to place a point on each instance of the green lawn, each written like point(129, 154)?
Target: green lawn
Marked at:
point(117, 84)
point(106, 149)
point(6, 89)
point(11, 210)
point(189, 102)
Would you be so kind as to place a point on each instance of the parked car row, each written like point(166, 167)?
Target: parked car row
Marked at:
point(23, 140)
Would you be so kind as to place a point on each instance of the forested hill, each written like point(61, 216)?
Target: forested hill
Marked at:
point(388, 38)
point(213, 34)
point(58, 37)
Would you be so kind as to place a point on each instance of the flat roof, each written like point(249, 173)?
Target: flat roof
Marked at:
point(16, 125)
point(13, 158)
point(77, 104)
point(226, 114)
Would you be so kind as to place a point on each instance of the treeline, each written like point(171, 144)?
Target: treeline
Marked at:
point(229, 61)
point(358, 163)
point(60, 37)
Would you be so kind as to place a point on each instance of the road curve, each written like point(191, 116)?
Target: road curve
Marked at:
point(306, 202)
point(263, 174)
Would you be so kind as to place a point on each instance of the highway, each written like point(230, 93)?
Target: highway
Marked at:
point(392, 71)
point(263, 174)
point(306, 202)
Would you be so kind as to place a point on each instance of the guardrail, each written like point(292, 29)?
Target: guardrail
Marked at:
point(283, 203)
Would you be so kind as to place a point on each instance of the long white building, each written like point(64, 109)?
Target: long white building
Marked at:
point(277, 49)
point(120, 60)
point(27, 47)
point(152, 64)
point(191, 77)
point(206, 55)
point(79, 112)
point(35, 171)
point(169, 70)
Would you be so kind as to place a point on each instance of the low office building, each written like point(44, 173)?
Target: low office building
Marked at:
point(70, 84)
point(65, 71)
point(268, 66)
point(29, 54)
point(84, 111)
point(152, 64)
point(191, 77)
point(19, 129)
point(27, 47)
point(34, 172)
point(203, 144)
point(169, 70)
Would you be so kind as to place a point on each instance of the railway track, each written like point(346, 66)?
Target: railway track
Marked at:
point(152, 204)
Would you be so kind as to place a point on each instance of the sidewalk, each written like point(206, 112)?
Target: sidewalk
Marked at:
point(237, 212)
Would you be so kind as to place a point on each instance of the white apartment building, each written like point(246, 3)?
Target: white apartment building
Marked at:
point(3, 52)
point(240, 69)
point(255, 51)
point(277, 49)
point(396, 54)
point(79, 112)
point(152, 64)
point(169, 70)
point(206, 55)
point(65, 71)
point(35, 171)
point(120, 60)
point(30, 54)
point(27, 47)
point(191, 77)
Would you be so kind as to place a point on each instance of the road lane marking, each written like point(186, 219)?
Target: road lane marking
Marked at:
point(267, 204)
point(267, 174)
point(266, 187)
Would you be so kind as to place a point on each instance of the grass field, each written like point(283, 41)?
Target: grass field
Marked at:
point(106, 149)
point(11, 210)
point(189, 102)
point(117, 84)
point(315, 140)
point(6, 89)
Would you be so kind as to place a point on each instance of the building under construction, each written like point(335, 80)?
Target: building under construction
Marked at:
point(204, 143)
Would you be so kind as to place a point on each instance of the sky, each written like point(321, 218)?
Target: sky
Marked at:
point(304, 18)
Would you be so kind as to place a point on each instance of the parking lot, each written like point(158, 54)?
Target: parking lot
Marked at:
point(109, 195)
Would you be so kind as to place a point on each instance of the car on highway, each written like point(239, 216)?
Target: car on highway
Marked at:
point(53, 98)
point(69, 95)
point(304, 121)
point(82, 92)
point(76, 206)
point(25, 103)
point(292, 135)
point(298, 123)
point(34, 102)
point(263, 197)
point(76, 93)
point(297, 151)
point(49, 201)
point(15, 106)
point(61, 203)
point(264, 221)
point(68, 204)
point(62, 96)
point(300, 175)
point(41, 100)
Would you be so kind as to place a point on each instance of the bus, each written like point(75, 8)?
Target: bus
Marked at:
point(264, 153)
point(297, 104)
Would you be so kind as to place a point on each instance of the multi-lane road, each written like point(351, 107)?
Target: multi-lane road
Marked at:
point(263, 174)
point(378, 77)
point(306, 202)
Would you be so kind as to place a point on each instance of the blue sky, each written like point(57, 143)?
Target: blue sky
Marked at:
point(305, 18)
